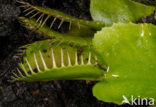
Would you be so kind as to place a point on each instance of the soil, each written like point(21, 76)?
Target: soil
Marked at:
point(40, 94)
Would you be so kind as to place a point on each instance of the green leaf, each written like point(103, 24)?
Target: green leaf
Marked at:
point(48, 60)
point(76, 36)
point(113, 11)
point(44, 14)
point(130, 52)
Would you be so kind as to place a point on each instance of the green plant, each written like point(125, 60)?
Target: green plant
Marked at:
point(121, 57)
point(130, 52)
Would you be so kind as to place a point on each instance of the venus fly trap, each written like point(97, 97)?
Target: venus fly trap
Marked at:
point(55, 61)
point(121, 57)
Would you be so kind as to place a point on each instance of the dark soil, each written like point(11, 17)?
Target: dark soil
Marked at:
point(40, 94)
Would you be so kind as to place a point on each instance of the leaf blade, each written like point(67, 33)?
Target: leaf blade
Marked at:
point(130, 52)
point(114, 11)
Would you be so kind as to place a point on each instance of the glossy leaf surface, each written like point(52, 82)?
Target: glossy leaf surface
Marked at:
point(130, 52)
point(114, 11)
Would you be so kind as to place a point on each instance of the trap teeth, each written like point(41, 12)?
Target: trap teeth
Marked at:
point(69, 61)
point(53, 22)
point(89, 59)
point(36, 62)
point(53, 59)
point(30, 68)
point(78, 60)
point(62, 59)
point(33, 11)
point(44, 64)
point(82, 62)
point(25, 71)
